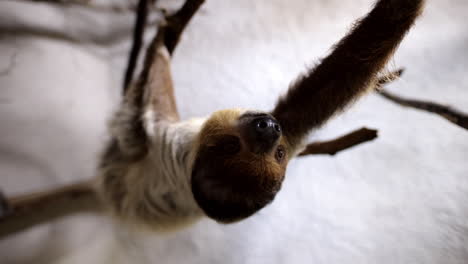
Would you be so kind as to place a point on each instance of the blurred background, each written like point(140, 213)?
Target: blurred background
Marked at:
point(399, 199)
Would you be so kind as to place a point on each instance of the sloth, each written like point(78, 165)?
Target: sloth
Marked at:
point(164, 173)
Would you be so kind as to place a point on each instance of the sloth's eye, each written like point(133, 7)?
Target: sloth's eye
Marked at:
point(280, 153)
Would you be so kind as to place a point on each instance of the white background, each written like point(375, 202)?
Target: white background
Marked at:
point(402, 198)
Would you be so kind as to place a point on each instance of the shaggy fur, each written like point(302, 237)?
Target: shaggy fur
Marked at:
point(163, 173)
point(143, 177)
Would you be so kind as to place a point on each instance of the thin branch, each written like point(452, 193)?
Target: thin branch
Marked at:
point(22, 212)
point(88, 4)
point(170, 33)
point(177, 22)
point(62, 35)
point(80, 2)
point(334, 146)
point(453, 115)
point(5, 207)
point(138, 33)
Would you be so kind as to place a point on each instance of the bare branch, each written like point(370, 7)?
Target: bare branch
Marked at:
point(21, 212)
point(81, 2)
point(334, 146)
point(453, 115)
point(88, 4)
point(138, 33)
point(177, 22)
point(169, 32)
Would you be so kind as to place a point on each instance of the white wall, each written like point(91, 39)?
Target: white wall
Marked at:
point(400, 199)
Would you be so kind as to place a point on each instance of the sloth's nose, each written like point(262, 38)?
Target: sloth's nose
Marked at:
point(265, 132)
point(267, 126)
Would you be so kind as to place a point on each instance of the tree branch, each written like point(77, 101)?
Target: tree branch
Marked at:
point(453, 115)
point(334, 146)
point(138, 34)
point(21, 212)
point(169, 32)
point(177, 22)
point(87, 4)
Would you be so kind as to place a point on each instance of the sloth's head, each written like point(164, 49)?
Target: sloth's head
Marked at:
point(240, 162)
point(241, 156)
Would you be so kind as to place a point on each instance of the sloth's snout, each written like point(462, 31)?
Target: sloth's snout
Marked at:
point(232, 185)
point(267, 126)
point(263, 133)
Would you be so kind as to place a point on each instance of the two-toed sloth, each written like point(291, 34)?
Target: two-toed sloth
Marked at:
point(160, 172)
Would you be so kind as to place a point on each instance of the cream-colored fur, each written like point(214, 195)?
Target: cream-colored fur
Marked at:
point(155, 190)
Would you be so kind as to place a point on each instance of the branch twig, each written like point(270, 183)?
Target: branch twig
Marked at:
point(453, 115)
point(334, 146)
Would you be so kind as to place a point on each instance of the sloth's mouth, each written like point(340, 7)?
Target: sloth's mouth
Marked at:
point(227, 205)
point(231, 191)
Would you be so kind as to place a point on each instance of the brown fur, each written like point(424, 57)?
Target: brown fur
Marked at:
point(144, 180)
point(231, 187)
point(348, 71)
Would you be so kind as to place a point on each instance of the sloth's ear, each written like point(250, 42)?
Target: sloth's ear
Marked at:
point(347, 72)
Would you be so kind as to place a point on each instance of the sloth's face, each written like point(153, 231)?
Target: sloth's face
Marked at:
point(239, 165)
